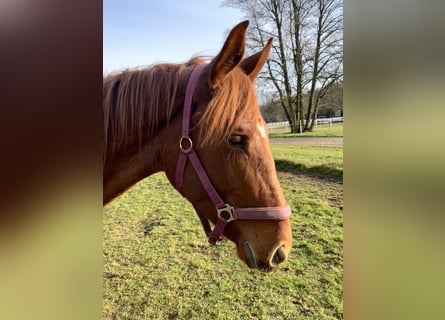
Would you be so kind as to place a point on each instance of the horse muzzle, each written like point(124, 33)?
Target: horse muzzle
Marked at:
point(252, 260)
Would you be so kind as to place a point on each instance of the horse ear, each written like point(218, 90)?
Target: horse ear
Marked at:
point(230, 55)
point(253, 64)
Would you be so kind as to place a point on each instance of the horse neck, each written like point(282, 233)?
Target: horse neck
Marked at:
point(139, 159)
point(123, 170)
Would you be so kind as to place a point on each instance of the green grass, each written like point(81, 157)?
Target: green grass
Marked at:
point(158, 264)
point(336, 130)
point(324, 161)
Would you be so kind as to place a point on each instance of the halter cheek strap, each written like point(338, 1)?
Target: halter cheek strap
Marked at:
point(226, 212)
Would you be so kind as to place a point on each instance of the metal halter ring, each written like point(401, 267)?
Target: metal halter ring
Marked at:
point(189, 141)
point(226, 213)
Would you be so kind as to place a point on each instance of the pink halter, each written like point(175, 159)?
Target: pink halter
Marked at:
point(226, 212)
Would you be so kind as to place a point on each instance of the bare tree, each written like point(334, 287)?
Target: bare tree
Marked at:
point(307, 55)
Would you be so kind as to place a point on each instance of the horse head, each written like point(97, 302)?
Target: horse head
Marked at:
point(229, 137)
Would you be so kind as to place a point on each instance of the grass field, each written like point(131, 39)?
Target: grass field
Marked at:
point(158, 264)
point(326, 162)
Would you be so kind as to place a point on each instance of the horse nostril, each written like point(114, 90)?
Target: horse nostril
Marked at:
point(279, 256)
point(250, 255)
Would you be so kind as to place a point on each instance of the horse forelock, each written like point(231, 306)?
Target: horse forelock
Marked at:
point(231, 102)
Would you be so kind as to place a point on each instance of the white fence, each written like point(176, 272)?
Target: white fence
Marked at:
point(279, 127)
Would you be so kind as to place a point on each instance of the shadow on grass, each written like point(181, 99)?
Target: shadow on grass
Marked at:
point(148, 225)
point(322, 171)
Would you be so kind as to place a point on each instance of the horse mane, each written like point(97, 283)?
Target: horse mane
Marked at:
point(135, 100)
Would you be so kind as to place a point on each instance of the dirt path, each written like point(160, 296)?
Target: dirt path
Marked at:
point(323, 141)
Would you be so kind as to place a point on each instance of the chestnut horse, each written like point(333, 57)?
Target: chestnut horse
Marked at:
point(200, 124)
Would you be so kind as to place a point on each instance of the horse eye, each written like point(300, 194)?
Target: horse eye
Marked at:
point(237, 141)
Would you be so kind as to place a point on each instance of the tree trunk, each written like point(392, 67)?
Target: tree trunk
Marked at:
point(298, 64)
point(310, 110)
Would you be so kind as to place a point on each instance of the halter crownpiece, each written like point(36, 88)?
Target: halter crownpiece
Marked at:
point(226, 213)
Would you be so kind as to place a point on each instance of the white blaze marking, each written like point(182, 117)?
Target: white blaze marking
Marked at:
point(262, 130)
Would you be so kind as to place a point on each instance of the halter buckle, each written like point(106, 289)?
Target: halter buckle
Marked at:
point(226, 213)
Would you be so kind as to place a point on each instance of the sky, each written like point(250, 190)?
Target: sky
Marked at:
point(143, 32)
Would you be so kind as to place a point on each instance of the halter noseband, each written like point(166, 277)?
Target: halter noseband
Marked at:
point(226, 212)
